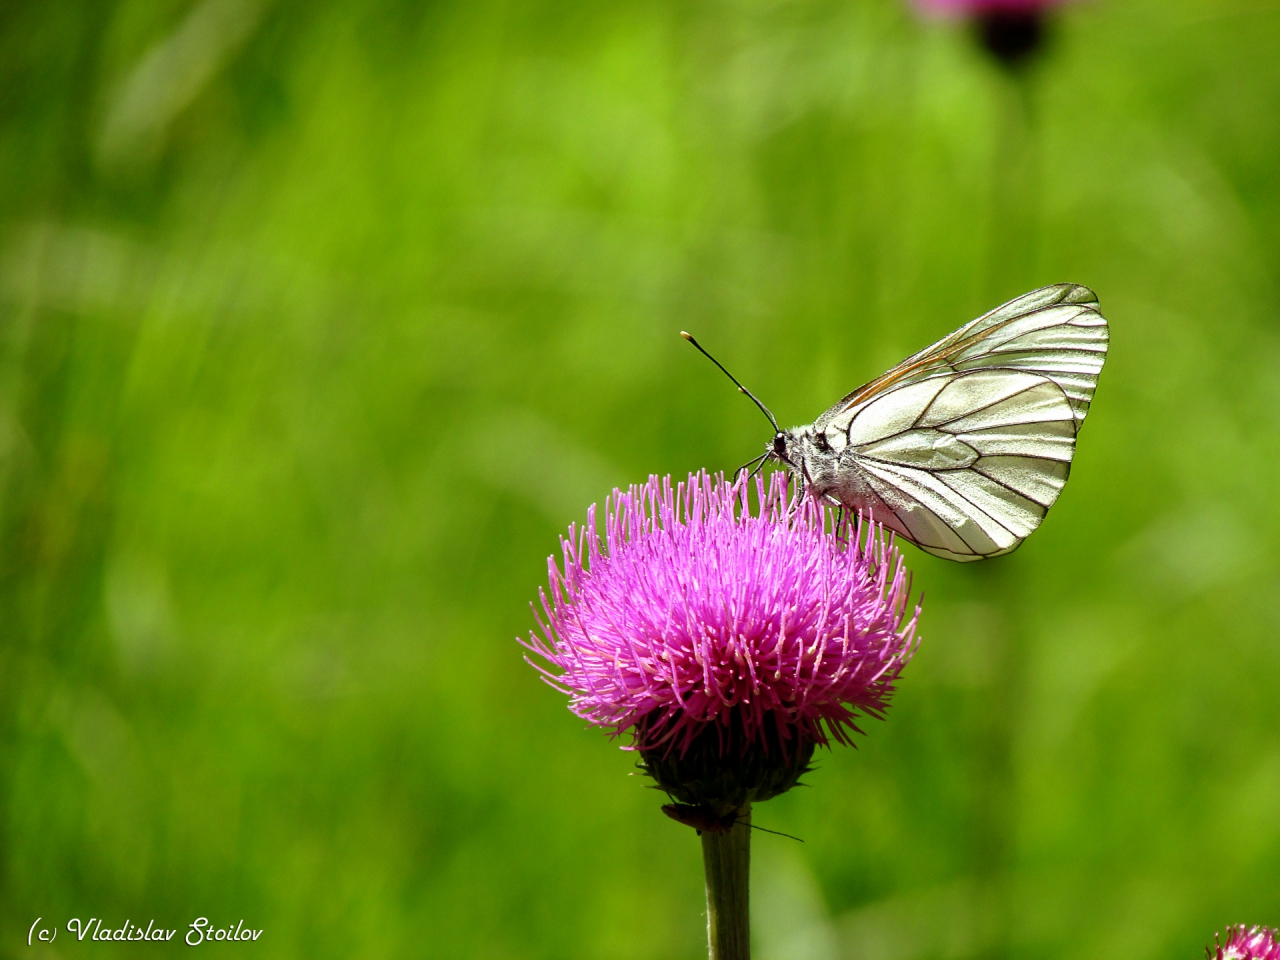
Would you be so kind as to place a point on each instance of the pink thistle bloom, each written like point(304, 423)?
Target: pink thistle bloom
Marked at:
point(1246, 943)
point(692, 615)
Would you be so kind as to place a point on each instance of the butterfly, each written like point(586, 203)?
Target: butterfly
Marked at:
point(963, 447)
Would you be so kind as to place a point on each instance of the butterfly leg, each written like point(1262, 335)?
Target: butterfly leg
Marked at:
point(808, 480)
point(753, 464)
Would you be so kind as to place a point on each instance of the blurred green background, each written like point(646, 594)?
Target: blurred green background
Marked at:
point(320, 322)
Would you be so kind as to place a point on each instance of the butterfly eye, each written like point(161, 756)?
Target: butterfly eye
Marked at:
point(780, 445)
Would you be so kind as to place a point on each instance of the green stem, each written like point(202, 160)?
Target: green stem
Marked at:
point(727, 859)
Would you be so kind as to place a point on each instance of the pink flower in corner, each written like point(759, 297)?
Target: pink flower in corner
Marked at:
point(1246, 943)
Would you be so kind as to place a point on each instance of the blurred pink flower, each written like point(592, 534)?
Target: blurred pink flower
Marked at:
point(1246, 943)
point(976, 7)
point(695, 615)
point(1009, 30)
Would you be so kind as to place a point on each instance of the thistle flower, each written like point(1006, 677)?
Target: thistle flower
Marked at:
point(728, 643)
point(1246, 943)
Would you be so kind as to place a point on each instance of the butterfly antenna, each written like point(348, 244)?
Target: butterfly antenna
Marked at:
point(776, 833)
point(754, 399)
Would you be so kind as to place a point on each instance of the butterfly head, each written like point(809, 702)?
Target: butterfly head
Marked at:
point(787, 446)
point(810, 455)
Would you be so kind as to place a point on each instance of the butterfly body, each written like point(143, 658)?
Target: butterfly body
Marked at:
point(964, 446)
point(830, 468)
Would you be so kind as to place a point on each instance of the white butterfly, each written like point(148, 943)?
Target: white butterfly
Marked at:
point(963, 447)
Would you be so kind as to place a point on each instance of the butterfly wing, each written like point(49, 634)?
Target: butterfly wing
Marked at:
point(1056, 332)
point(963, 448)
